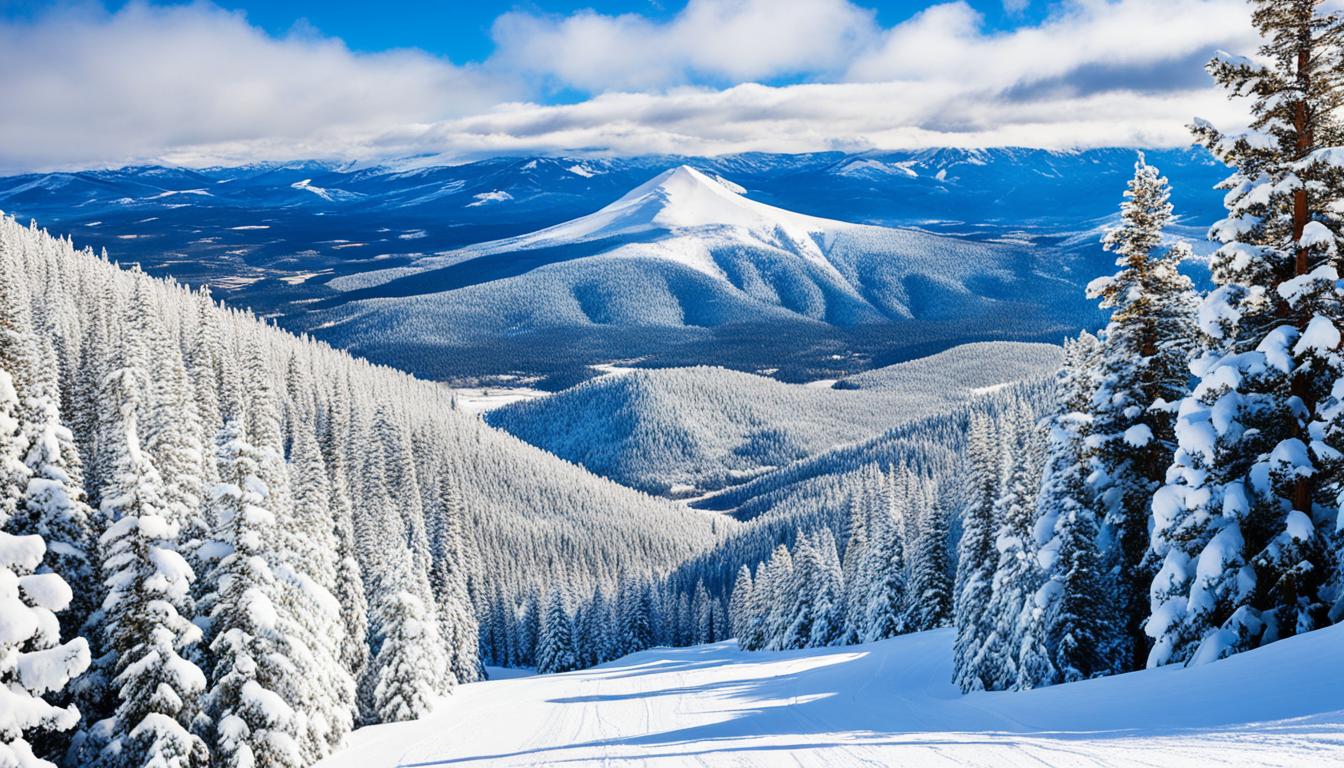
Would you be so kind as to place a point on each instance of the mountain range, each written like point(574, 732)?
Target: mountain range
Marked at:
point(953, 241)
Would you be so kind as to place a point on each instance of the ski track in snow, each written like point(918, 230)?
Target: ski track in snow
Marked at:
point(880, 704)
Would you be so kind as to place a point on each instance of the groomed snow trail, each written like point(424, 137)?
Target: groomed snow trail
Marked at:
point(881, 704)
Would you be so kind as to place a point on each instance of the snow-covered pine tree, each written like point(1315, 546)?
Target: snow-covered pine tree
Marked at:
point(976, 556)
point(457, 621)
point(1072, 606)
point(856, 585)
point(636, 616)
point(754, 636)
point(172, 432)
point(251, 722)
point(529, 627)
point(1144, 373)
point(307, 613)
point(884, 571)
point(349, 589)
point(930, 586)
point(779, 599)
point(33, 661)
point(828, 593)
point(1012, 652)
point(404, 677)
point(594, 644)
point(1074, 622)
point(1240, 527)
point(142, 624)
point(806, 579)
point(739, 604)
point(555, 648)
point(702, 614)
point(51, 503)
point(310, 581)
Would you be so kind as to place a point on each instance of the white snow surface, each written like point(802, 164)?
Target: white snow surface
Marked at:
point(885, 703)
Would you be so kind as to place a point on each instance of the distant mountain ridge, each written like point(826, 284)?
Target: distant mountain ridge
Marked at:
point(684, 269)
point(282, 238)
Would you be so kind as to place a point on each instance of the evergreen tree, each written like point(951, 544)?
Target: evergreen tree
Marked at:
point(594, 645)
point(1074, 619)
point(555, 649)
point(458, 626)
point(34, 663)
point(349, 589)
point(778, 598)
point(976, 557)
point(530, 630)
point(310, 578)
point(856, 585)
point(931, 572)
point(702, 614)
point(740, 604)
point(142, 624)
point(1073, 610)
point(404, 676)
point(54, 505)
point(252, 723)
point(804, 583)
point(885, 573)
point(828, 593)
point(1240, 527)
point(754, 633)
point(1012, 653)
point(1143, 376)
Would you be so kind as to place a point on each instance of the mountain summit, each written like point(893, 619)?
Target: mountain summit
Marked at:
point(681, 198)
point(686, 205)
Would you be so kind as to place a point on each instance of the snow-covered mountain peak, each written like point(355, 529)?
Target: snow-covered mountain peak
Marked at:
point(683, 198)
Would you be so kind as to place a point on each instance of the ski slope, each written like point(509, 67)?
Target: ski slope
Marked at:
point(880, 704)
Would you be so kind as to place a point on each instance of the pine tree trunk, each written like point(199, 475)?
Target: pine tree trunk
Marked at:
point(1302, 487)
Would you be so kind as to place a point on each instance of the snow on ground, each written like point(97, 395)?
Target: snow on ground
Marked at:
point(881, 704)
point(478, 400)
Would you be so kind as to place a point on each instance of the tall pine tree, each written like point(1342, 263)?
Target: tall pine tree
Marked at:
point(1241, 527)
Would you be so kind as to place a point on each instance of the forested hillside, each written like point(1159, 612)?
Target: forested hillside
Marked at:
point(686, 431)
point(228, 540)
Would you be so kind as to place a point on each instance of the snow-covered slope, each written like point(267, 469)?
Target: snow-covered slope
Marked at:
point(685, 431)
point(885, 703)
point(965, 369)
point(685, 269)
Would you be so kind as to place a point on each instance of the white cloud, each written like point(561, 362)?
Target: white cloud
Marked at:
point(716, 40)
point(196, 85)
point(813, 117)
point(84, 87)
point(945, 43)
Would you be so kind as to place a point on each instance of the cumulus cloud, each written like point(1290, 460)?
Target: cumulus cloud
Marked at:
point(196, 85)
point(727, 41)
point(945, 43)
point(85, 87)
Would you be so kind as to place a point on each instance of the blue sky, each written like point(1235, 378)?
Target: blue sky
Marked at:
point(93, 84)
